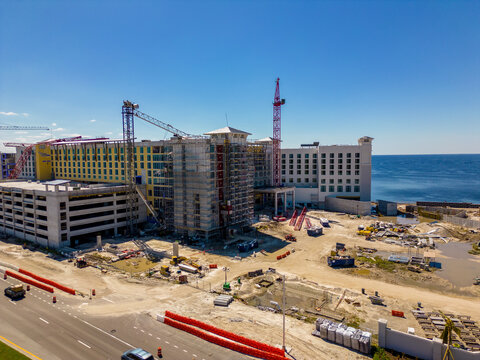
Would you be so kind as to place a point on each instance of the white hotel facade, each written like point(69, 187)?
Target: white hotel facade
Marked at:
point(318, 171)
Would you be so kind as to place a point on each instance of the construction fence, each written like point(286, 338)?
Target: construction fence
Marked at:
point(468, 223)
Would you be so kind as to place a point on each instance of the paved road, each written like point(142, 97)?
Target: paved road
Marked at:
point(64, 331)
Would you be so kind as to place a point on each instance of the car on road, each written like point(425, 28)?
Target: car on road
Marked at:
point(137, 354)
point(15, 292)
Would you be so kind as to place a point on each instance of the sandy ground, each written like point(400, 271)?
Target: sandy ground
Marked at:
point(306, 265)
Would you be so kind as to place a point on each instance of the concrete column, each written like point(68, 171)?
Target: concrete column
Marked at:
point(293, 197)
point(437, 349)
point(382, 333)
point(284, 202)
point(276, 205)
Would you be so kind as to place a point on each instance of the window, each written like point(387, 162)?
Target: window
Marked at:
point(356, 189)
point(306, 180)
point(283, 180)
point(306, 172)
point(357, 181)
point(284, 167)
point(323, 172)
point(322, 181)
point(314, 172)
point(332, 155)
point(331, 181)
point(299, 166)
point(357, 155)
point(348, 188)
point(290, 156)
point(331, 188)
point(357, 172)
point(283, 156)
point(314, 156)
point(306, 156)
point(324, 156)
point(339, 188)
point(299, 156)
point(283, 172)
point(323, 188)
point(299, 180)
point(290, 180)
point(348, 181)
point(340, 173)
point(314, 180)
point(332, 172)
point(339, 181)
point(349, 155)
point(349, 172)
point(299, 172)
point(290, 172)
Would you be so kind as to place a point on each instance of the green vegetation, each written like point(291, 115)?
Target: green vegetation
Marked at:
point(6, 352)
point(379, 353)
point(355, 322)
point(475, 250)
point(378, 262)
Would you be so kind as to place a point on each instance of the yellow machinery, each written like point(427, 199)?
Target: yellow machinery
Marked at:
point(174, 260)
point(165, 270)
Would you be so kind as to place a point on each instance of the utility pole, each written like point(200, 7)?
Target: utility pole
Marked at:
point(284, 349)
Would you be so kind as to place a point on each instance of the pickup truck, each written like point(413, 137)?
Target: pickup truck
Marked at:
point(15, 292)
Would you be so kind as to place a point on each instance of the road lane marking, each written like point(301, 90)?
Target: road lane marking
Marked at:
point(167, 342)
point(194, 355)
point(26, 351)
point(185, 350)
point(158, 338)
point(45, 321)
point(135, 327)
point(108, 300)
point(175, 346)
point(142, 331)
point(84, 344)
point(106, 333)
point(150, 334)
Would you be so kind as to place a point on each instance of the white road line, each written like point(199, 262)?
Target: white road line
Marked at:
point(108, 300)
point(185, 350)
point(45, 321)
point(158, 338)
point(135, 327)
point(106, 333)
point(194, 355)
point(13, 302)
point(167, 342)
point(84, 344)
point(176, 347)
point(150, 334)
point(142, 331)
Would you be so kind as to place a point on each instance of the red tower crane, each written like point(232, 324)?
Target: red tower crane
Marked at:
point(277, 134)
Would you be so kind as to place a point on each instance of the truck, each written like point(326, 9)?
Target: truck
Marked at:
point(248, 245)
point(15, 292)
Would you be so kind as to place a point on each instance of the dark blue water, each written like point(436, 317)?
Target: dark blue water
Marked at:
point(410, 178)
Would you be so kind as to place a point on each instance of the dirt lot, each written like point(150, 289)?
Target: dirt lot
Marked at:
point(312, 286)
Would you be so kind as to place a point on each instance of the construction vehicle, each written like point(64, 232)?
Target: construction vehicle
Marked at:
point(174, 260)
point(81, 263)
point(15, 292)
point(226, 286)
point(290, 237)
point(165, 270)
point(476, 281)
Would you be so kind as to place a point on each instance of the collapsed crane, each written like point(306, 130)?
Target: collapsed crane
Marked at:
point(129, 111)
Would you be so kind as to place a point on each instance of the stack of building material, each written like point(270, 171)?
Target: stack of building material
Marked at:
point(347, 337)
point(365, 342)
point(339, 334)
point(356, 340)
point(223, 300)
point(323, 328)
point(332, 332)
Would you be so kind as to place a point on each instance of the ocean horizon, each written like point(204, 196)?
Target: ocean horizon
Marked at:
point(429, 177)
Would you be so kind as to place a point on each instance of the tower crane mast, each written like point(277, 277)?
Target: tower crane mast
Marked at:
point(277, 133)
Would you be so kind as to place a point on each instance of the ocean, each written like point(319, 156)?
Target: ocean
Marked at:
point(410, 178)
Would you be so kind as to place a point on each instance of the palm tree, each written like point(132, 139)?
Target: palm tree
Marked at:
point(450, 328)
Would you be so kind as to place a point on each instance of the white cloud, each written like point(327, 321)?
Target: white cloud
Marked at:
point(11, 113)
point(59, 129)
point(54, 124)
point(93, 120)
point(108, 133)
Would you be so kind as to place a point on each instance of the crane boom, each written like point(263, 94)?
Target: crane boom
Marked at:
point(162, 125)
point(14, 127)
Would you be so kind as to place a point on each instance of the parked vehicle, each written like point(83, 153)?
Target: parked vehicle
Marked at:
point(15, 292)
point(137, 354)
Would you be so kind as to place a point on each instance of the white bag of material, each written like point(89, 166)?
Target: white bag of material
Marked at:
point(339, 335)
point(324, 329)
point(365, 342)
point(332, 332)
point(318, 323)
point(347, 337)
point(355, 340)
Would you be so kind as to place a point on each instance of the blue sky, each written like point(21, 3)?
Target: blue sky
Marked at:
point(404, 72)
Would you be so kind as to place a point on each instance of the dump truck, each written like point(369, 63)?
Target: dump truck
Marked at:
point(15, 292)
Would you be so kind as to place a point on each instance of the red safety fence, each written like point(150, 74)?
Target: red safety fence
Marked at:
point(224, 343)
point(398, 313)
point(226, 334)
point(47, 281)
point(29, 281)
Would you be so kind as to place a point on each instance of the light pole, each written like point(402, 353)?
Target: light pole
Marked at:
point(284, 349)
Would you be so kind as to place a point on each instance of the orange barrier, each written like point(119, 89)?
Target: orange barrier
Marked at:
point(398, 313)
point(29, 281)
point(226, 334)
point(47, 281)
point(212, 266)
point(224, 343)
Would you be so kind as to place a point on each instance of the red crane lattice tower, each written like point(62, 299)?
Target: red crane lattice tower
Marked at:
point(277, 133)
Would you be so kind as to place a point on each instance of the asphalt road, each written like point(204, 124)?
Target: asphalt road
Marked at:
point(64, 331)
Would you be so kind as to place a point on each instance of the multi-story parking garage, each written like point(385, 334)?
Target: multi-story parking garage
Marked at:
point(57, 213)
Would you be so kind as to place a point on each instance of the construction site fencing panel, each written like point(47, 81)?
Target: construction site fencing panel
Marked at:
point(225, 334)
point(29, 281)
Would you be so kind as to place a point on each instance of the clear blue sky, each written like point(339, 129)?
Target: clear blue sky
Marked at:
point(404, 72)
